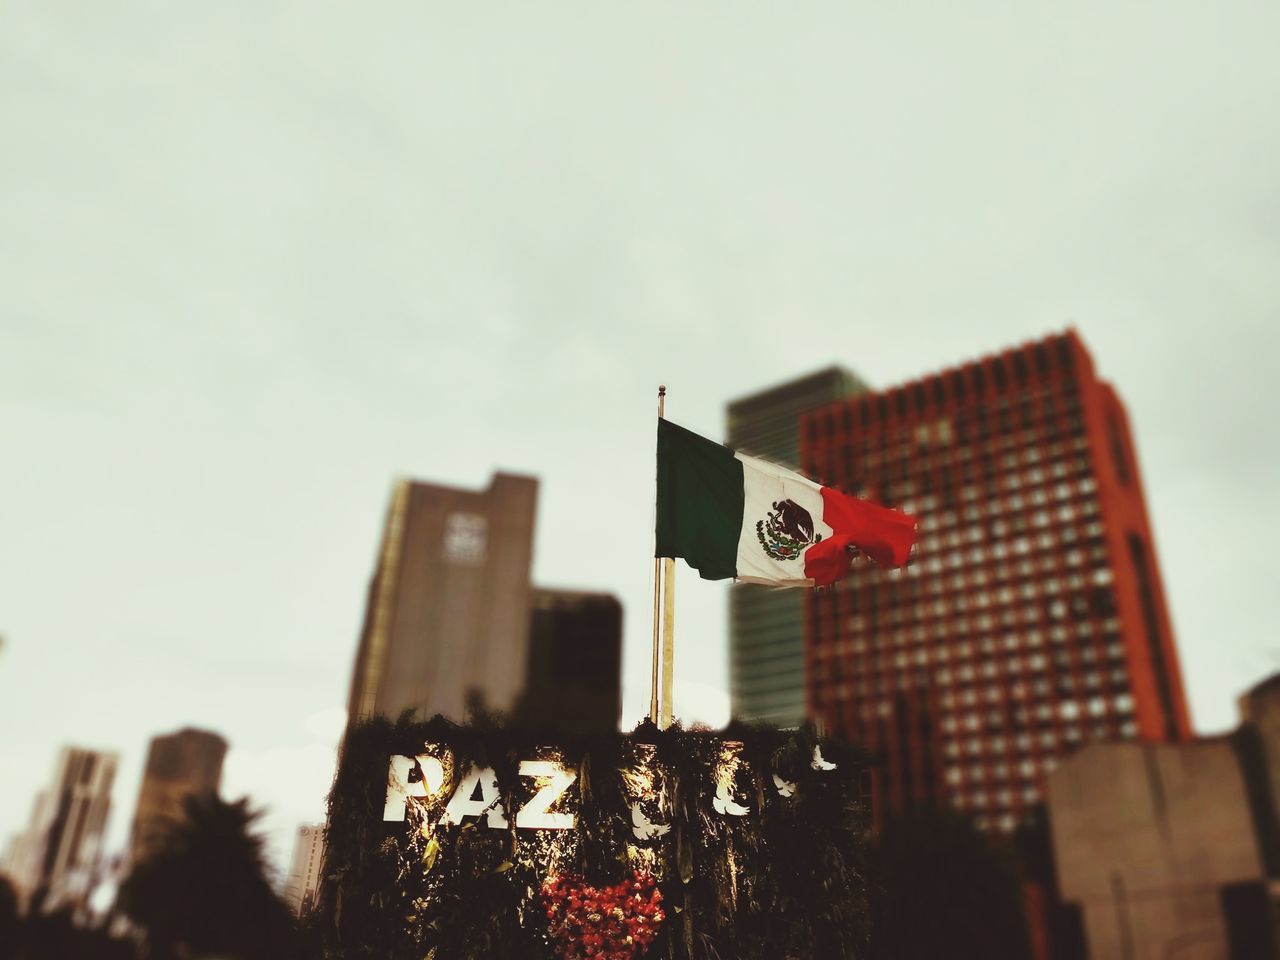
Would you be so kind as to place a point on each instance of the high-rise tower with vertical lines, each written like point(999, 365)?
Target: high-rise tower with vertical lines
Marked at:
point(448, 608)
point(766, 627)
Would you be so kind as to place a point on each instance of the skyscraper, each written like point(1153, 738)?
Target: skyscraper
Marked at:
point(58, 855)
point(304, 872)
point(766, 627)
point(575, 661)
point(448, 606)
point(179, 765)
point(1033, 619)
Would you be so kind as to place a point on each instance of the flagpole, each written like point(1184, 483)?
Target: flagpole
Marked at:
point(657, 597)
point(669, 640)
point(668, 619)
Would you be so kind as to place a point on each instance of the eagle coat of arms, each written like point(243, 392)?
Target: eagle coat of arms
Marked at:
point(786, 531)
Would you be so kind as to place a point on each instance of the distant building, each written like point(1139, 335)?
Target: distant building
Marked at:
point(1032, 620)
point(304, 871)
point(766, 627)
point(181, 764)
point(1259, 743)
point(11, 852)
point(575, 661)
point(14, 864)
point(56, 861)
point(1155, 844)
point(448, 606)
point(1163, 850)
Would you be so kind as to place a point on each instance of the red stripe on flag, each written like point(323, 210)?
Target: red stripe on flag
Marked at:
point(884, 535)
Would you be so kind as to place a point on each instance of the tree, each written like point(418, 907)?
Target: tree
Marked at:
point(204, 890)
point(939, 888)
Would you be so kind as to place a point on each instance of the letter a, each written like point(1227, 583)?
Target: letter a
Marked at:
point(489, 805)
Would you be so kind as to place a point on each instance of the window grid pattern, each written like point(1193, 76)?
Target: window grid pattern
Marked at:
point(999, 650)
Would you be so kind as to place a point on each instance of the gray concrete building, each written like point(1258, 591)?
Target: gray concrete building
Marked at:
point(766, 627)
point(1156, 845)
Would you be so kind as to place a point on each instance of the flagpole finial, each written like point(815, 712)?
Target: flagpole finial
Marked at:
point(662, 389)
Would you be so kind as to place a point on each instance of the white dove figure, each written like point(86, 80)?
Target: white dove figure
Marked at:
point(643, 828)
point(785, 789)
point(724, 802)
point(818, 762)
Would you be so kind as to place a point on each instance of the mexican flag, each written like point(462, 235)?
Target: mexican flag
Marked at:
point(730, 515)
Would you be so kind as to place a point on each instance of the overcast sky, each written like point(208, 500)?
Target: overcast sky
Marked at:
point(259, 258)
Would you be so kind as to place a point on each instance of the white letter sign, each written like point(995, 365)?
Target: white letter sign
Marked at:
point(534, 815)
point(400, 789)
point(489, 805)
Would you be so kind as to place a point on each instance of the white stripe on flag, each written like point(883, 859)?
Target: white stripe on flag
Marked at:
point(765, 485)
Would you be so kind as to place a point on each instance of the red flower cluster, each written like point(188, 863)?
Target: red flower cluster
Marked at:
point(602, 923)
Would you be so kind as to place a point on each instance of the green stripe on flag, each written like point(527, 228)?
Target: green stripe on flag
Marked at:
point(700, 501)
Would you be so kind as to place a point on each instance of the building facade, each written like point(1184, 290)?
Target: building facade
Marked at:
point(1155, 844)
point(57, 859)
point(1259, 737)
point(179, 765)
point(766, 627)
point(1174, 849)
point(575, 662)
point(448, 606)
point(1032, 619)
point(304, 871)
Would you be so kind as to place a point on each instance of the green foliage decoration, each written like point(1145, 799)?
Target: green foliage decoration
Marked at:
point(785, 880)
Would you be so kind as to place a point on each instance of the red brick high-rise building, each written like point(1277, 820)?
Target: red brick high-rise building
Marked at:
point(1032, 619)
